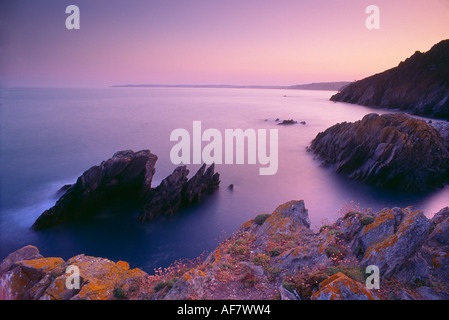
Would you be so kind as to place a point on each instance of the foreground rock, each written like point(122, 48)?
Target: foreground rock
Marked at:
point(127, 176)
point(273, 256)
point(34, 278)
point(277, 256)
point(419, 85)
point(390, 150)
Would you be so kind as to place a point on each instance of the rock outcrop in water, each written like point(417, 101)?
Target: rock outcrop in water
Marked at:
point(273, 256)
point(176, 191)
point(128, 176)
point(390, 150)
point(419, 85)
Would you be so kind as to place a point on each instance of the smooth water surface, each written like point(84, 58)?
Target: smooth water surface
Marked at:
point(49, 137)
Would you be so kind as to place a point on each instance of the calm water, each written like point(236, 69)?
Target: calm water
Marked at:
point(51, 136)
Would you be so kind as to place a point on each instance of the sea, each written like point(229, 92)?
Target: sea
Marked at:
point(50, 136)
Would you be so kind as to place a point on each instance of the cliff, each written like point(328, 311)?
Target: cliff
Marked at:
point(273, 256)
point(419, 85)
point(390, 150)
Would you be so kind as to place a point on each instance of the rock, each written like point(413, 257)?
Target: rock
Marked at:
point(24, 253)
point(21, 280)
point(391, 252)
point(410, 250)
point(126, 175)
point(419, 85)
point(341, 287)
point(287, 122)
point(45, 278)
point(440, 215)
point(166, 198)
point(440, 235)
point(287, 217)
point(391, 150)
point(176, 191)
point(202, 184)
point(287, 295)
point(427, 293)
point(385, 224)
point(63, 190)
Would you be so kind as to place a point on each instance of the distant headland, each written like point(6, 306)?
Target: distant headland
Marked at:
point(329, 86)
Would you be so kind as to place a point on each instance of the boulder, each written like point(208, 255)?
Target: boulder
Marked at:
point(391, 150)
point(46, 278)
point(25, 253)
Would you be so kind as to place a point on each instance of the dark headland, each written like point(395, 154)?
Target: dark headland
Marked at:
point(418, 85)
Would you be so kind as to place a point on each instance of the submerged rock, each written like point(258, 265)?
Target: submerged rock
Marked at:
point(390, 150)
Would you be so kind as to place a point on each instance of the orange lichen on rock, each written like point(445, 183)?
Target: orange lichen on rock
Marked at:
point(341, 287)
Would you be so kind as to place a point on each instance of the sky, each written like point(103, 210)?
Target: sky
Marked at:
point(238, 42)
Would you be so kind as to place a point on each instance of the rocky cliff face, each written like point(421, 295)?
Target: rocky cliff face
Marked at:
point(273, 256)
point(390, 150)
point(127, 176)
point(419, 85)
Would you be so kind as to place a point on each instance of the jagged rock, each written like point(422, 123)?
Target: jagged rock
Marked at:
point(203, 183)
point(390, 150)
point(385, 224)
point(176, 191)
point(420, 85)
point(126, 175)
point(165, 198)
point(341, 287)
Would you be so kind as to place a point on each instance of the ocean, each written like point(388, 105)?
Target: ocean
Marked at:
point(49, 137)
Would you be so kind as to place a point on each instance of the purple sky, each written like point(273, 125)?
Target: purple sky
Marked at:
point(241, 42)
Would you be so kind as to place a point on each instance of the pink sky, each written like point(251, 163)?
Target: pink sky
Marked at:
point(260, 42)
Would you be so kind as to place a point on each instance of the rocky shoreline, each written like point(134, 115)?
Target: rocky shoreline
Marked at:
point(273, 256)
point(389, 151)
